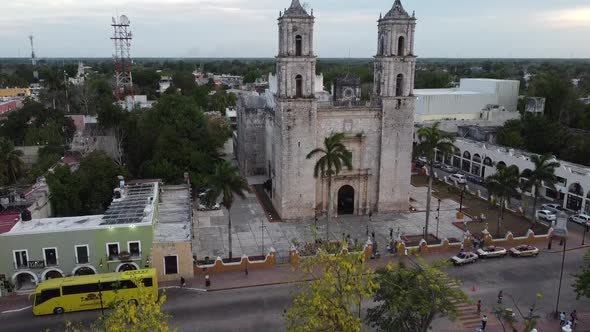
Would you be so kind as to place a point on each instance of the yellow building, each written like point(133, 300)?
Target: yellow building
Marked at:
point(15, 92)
point(172, 253)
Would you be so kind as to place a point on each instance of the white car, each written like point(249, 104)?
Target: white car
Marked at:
point(492, 251)
point(581, 219)
point(206, 208)
point(448, 168)
point(546, 215)
point(551, 207)
point(464, 258)
point(461, 179)
point(524, 250)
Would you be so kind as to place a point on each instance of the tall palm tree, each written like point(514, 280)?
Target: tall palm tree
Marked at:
point(334, 155)
point(504, 186)
point(226, 181)
point(11, 164)
point(543, 174)
point(432, 139)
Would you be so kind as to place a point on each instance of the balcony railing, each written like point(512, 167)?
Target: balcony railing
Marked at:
point(125, 256)
point(82, 260)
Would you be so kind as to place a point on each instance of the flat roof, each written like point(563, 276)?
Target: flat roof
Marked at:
point(174, 215)
point(441, 92)
point(134, 208)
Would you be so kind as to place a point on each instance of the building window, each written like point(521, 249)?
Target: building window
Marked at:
point(399, 85)
point(50, 255)
point(171, 264)
point(382, 45)
point(113, 251)
point(298, 46)
point(21, 259)
point(298, 86)
point(82, 254)
point(134, 248)
point(401, 43)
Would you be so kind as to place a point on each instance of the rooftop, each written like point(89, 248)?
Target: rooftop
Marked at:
point(296, 10)
point(441, 92)
point(135, 207)
point(174, 215)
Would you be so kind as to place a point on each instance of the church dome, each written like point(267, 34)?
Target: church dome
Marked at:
point(296, 10)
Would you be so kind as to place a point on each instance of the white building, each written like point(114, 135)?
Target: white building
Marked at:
point(481, 159)
point(137, 101)
point(473, 100)
point(164, 83)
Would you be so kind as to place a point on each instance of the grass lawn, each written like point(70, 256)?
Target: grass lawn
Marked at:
point(474, 207)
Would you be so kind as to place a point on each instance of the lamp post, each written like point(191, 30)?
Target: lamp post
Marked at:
point(437, 217)
point(586, 230)
point(100, 297)
point(561, 232)
point(462, 194)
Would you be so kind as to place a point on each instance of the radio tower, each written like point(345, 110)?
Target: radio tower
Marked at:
point(122, 38)
point(34, 59)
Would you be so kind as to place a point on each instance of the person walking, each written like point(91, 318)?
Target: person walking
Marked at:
point(246, 271)
point(182, 282)
point(500, 297)
point(562, 318)
point(574, 316)
point(484, 322)
point(479, 306)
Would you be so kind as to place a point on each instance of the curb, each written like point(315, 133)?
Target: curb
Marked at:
point(566, 250)
point(260, 285)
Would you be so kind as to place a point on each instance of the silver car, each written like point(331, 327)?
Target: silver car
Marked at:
point(464, 258)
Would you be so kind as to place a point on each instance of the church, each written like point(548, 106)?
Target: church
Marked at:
point(277, 129)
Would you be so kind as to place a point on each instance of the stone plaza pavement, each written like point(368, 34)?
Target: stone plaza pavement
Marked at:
point(249, 237)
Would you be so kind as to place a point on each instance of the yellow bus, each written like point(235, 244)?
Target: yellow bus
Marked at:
point(89, 292)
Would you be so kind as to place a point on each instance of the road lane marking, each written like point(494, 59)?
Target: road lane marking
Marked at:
point(16, 310)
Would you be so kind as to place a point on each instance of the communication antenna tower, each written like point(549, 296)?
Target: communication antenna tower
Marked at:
point(122, 57)
point(33, 59)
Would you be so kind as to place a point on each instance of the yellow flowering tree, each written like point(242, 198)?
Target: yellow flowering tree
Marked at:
point(144, 316)
point(328, 303)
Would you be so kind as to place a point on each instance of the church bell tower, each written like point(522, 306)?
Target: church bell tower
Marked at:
point(395, 66)
point(295, 119)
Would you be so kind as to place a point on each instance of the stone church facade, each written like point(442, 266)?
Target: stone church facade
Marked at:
point(276, 130)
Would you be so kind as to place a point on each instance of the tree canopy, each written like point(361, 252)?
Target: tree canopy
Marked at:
point(582, 283)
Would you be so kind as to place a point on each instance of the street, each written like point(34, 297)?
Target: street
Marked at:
point(261, 308)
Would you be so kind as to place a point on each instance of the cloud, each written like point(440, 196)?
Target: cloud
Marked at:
point(567, 18)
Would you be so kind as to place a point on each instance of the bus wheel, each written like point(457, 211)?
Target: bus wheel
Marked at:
point(134, 302)
point(58, 310)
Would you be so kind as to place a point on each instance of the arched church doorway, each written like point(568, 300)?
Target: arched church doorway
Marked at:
point(346, 200)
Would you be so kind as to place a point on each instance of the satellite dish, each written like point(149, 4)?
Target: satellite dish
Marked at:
point(124, 20)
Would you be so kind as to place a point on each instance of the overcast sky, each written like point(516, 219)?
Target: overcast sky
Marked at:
point(247, 28)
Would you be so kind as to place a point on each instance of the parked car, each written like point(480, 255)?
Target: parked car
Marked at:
point(475, 179)
point(581, 219)
point(206, 208)
point(492, 251)
point(464, 258)
point(551, 207)
point(524, 250)
point(448, 168)
point(459, 178)
point(546, 215)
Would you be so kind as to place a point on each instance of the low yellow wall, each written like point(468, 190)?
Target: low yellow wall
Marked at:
point(184, 253)
point(220, 266)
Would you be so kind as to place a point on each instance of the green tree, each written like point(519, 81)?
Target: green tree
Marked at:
point(340, 283)
point(543, 174)
point(409, 298)
point(65, 188)
point(333, 157)
point(507, 316)
point(226, 181)
point(510, 135)
point(582, 283)
point(504, 186)
point(11, 164)
point(431, 140)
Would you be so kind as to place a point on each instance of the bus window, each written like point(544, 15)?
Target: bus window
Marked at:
point(148, 282)
point(46, 295)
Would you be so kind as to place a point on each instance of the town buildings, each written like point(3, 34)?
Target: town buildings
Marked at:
point(146, 225)
point(278, 129)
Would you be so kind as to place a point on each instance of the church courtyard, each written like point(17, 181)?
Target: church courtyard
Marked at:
point(253, 234)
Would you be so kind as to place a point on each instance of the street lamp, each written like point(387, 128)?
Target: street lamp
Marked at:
point(462, 194)
point(561, 232)
point(586, 230)
point(100, 297)
point(437, 217)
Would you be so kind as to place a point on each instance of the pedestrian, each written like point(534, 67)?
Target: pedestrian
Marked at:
point(484, 322)
point(479, 306)
point(182, 282)
point(373, 235)
point(500, 297)
point(246, 271)
point(562, 318)
point(574, 316)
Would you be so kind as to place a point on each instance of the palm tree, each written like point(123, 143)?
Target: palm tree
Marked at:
point(11, 164)
point(544, 174)
point(334, 155)
point(432, 140)
point(226, 181)
point(504, 186)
